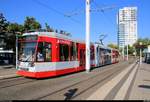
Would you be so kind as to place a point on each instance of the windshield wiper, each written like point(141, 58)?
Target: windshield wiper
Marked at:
point(29, 58)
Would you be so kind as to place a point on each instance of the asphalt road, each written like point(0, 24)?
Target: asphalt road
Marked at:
point(7, 69)
point(77, 86)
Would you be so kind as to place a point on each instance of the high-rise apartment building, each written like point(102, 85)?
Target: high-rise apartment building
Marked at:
point(127, 26)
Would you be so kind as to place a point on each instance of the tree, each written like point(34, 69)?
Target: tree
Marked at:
point(3, 23)
point(3, 29)
point(30, 23)
point(48, 28)
point(14, 27)
point(145, 42)
point(112, 46)
point(12, 30)
point(131, 50)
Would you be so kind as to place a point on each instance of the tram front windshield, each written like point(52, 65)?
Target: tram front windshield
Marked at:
point(27, 50)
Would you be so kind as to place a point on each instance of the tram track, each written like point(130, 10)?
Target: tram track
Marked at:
point(10, 82)
point(100, 81)
point(108, 73)
point(59, 91)
point(8, 79)
point(14, 81)
point(55, 85)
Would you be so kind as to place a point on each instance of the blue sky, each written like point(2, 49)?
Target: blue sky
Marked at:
point(52, 12)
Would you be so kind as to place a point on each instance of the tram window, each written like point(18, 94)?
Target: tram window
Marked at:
point(92, 53)
point(40, 52)
point(81, 58)
point(64, 52)
point(73, 52)
point(48, 51)
point(77, 51)
point(44, 52)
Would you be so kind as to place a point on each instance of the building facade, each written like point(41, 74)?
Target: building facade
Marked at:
point(127, 26)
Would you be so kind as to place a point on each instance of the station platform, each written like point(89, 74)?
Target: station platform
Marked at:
point(134, 85)
point(141, 87)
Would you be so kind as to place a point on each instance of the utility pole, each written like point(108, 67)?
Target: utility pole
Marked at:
point(16, 51)
point(17, 38)
point(128, 42)
point(123, 52)
point(140, 56)
point(140, 53)
point(88, 10)
point(87, 36)
point(127, 51)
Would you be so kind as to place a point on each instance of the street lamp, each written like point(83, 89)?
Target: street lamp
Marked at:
point(140, 52)
point(17, 35)
point(123, 53)
point(87, 36)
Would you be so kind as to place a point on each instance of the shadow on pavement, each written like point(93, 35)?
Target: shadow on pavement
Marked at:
point(144, 86)
point(7, 66)
point(70, 93)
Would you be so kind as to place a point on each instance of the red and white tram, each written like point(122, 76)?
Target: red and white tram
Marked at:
point(115, 55)
point(47, 54)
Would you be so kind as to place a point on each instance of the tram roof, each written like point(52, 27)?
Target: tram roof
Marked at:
point(102, 46)
point(62, 36)
point(55, 35)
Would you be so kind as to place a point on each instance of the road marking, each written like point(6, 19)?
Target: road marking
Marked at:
point(102, 92)
point(122, 92)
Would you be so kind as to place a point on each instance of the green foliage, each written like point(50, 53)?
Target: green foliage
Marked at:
point(3, 23)
point(145, 42)
point(14, 27)
point(3, 29)
point(12, 30)
point(9, 30)
point(131, 49)
point(10, 41)
point(113, 46)
point(48, 28)
point(30, 23)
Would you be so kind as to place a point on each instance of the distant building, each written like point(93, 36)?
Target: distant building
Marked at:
point(127, 26)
